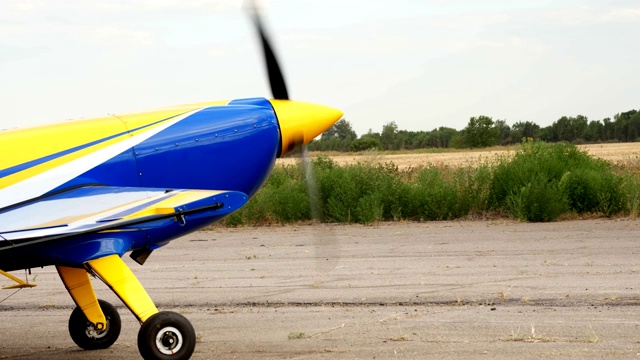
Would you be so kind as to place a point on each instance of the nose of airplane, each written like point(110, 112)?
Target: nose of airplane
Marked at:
point(301, 122)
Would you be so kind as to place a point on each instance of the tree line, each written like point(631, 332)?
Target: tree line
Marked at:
point(483, 131)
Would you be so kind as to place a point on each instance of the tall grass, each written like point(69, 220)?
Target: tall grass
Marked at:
point(540, 183)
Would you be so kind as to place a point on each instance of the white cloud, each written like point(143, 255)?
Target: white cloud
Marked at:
point(118, 36)
point(136, 6)
point(591, 16)
point(468, 22)
point(379, 60)
point(24, 5)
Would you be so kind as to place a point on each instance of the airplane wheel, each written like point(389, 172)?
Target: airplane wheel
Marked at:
point(84, 333)
point(166, 335)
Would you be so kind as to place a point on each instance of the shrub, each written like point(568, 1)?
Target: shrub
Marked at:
point(431, 197)
point(593, 190)
point(360, 193)
point(630, 187)
point(473, 185)
point(539, 183)
point(538, 171)
point(539, 200)
point(282, 199)
point(369, 209)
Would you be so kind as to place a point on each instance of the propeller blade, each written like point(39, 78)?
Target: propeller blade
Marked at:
point(276, 79)
point(299, 124)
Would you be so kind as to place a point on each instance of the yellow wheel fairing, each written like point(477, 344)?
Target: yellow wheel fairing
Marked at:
point(79, 286)
point(117, 275)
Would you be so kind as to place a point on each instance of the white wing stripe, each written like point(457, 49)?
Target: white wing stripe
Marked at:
point(51, 179)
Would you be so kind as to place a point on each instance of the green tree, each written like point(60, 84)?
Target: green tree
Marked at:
point(441, 137)
point(595, 131)
point(524, 130)
point(560, 130)
point(387, 137)
point(569, 129)
point(624, 127)
point(608, 131)
point(366, 142)
point(504, 132)
point(457, 141)
point(336, 138)
point(481, 132)
point(634, 126)
point(402, 140)
point(579, 126)
point(342, 130)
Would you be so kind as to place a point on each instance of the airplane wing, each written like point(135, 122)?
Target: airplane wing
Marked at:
point(102, 208)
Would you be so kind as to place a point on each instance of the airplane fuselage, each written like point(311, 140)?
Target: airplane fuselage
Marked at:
point(212, 146)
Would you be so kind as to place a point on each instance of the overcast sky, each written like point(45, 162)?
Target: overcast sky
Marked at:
point(420, 63)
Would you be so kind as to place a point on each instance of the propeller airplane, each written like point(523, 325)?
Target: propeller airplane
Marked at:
point(79, 195)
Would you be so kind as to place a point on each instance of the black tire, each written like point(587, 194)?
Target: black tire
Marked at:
point(166, 336)
point(84, 334)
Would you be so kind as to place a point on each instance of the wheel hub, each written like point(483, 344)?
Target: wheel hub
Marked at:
point(169, 340)
point(93, 333)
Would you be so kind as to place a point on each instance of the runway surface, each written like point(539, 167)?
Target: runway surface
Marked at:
point(442, 290)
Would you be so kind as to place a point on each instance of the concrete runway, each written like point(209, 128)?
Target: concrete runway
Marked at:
point(443, 290)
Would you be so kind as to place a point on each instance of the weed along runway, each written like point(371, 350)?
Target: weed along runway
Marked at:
point(445, 290)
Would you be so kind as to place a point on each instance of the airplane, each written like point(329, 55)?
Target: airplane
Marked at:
point(79, 195)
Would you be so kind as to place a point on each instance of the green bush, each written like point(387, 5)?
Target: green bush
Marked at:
point(539, 200)
point(369, 208)
point(541, 182)
point(359, 193)
point(630, 187)
point(538, 171)
point(432, 197)
point(473, 186)
point(593, 190)
point(282, 199)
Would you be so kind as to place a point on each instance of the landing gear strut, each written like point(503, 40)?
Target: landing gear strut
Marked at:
point(95, 324)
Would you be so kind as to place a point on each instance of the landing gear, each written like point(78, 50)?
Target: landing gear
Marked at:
point(166, 335)
point(163, 336)
point(85, 334)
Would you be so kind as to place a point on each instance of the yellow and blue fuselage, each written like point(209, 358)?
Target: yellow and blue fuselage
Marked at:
point(81, 190)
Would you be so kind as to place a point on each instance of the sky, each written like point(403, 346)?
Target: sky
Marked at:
point(421, 63)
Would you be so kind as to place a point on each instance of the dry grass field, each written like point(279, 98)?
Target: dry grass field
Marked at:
point(619, 153)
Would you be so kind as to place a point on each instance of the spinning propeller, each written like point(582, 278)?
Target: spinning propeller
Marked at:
point(276, 79)
point(300, 123)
